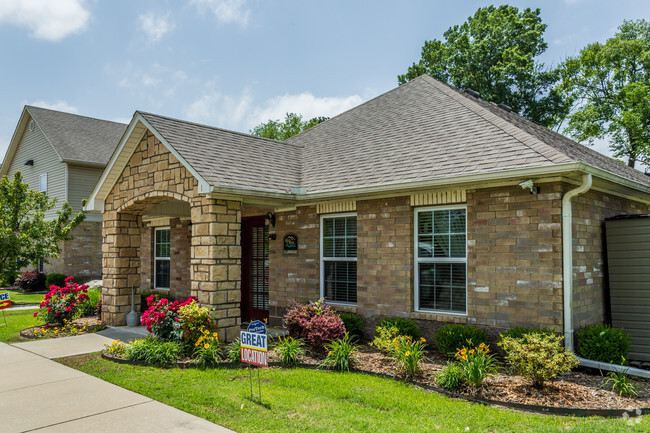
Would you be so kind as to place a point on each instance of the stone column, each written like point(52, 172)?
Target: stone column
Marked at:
point(121, 264)
point(215, 268)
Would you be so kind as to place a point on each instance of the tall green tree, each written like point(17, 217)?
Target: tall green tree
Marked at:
point(26, 237)
point(292, 125)
point(494, 53)
point(610, 85)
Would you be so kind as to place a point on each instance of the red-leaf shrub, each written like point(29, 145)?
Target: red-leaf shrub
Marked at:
point(61, 304)
point(31, 281)
point(316, 322)
point(161, 318)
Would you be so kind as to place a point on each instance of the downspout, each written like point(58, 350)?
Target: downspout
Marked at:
point(567, 278)
point(567, 257)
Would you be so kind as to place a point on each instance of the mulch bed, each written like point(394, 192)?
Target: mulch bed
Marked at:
point(91, 324)
point(579, 392)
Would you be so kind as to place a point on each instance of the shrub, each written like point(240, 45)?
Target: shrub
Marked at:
point(603, 343)
point(403, 325)
point(88, 307)
point(620, 382)
point(157, 296)
point(234, 351)
point(450, 338)
point(61, 304)
point(154, 351)
point(116, 348)
point(8, 278)
point(316, 323)
point(520, 331)
point(353, 324)
point(451, 377)
point(195, 321)
point(31, 281)
point(408, 353)
point(207, 349)
point(384, 338)
point(538, 357)
point(55, 279)
point(290, 350)
point(477, 364)
point(161, 318)
point(340, 354)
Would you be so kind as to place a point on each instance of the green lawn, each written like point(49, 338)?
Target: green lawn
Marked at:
point(16, 322)
point(300, 400)
point(17, 297)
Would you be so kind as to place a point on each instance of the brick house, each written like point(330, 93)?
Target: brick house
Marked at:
point(63, 155)
point(425, 202)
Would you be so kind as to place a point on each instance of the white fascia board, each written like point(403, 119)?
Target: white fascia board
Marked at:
point(25, 116)
point(203, 186)
point(96, 199)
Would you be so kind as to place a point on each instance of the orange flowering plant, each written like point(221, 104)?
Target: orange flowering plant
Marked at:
point(408, 352)
point(477, 363)
point(207, 350)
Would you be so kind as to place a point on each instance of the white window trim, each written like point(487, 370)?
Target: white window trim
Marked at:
point(340, 259)
point(40, 183)
point(417, 260)
point(156, 258)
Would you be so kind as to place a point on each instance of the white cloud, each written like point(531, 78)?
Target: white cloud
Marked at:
point(46, 19)
point(226, 11)
point(58, 106)
point(241, 113)
point(155, 26)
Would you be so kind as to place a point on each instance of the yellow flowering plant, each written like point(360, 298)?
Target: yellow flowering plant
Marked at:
point(207, 349)
point(476, 363)
point(117, 348)
point(408, 352)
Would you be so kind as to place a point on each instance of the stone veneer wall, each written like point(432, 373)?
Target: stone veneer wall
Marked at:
point(81, 256)
point(590, 295)
point(153, 175)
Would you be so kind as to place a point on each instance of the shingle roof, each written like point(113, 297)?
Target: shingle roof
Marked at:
point(232, 159)
point(78, 138)
point(422, 130)
point(426, 130)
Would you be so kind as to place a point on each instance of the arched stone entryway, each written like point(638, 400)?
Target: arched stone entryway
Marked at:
point(154, 176)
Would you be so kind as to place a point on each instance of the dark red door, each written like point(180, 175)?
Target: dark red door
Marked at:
point(255, 269)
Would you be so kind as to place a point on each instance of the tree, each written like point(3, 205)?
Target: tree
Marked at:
point(292, 125)
point(494, 53)
point(610, 85)
point(26, 237)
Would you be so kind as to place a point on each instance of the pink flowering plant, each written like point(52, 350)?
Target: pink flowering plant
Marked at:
point(162, 318)
point(61, 304)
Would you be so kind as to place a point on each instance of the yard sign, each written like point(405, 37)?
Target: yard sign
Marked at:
point(254, 345)
point(5, 302)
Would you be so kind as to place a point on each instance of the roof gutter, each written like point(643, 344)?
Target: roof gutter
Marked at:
point(567, 257)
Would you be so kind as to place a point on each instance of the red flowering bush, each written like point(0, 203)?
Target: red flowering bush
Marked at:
point(316, 322)
point(162, 319)
point(61, 304)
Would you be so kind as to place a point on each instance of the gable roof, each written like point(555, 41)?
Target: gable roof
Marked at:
point(78, 138)
point(232, 159)
point(426, 130)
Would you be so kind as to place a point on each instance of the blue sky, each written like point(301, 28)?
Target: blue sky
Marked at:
point(236, 63)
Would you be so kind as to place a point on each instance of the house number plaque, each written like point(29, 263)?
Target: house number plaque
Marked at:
point(290, 244)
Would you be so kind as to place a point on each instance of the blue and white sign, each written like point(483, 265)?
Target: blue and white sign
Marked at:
point(254, 345)
point(257, 327)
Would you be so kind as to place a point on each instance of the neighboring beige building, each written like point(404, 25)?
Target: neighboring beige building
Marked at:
point(63, 156)
point(425, 202)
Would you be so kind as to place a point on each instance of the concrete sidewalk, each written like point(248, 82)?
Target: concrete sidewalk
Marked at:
point(38, 394)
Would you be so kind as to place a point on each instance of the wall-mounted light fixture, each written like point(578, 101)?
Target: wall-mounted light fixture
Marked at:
point(528, 184)
point(270, 216)
point(30, 162)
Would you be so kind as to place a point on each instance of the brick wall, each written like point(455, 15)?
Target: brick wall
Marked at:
point(294, 277)
point(180, 243)
point(514, 257)
point(589, 261)
point(81, 256)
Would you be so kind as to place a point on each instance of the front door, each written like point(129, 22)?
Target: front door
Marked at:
point(255, 269)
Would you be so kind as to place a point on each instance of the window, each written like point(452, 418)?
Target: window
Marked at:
point(41, 266)
point(42, 187)
point(162, 263)
point(441, 260)
point(339, 258)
